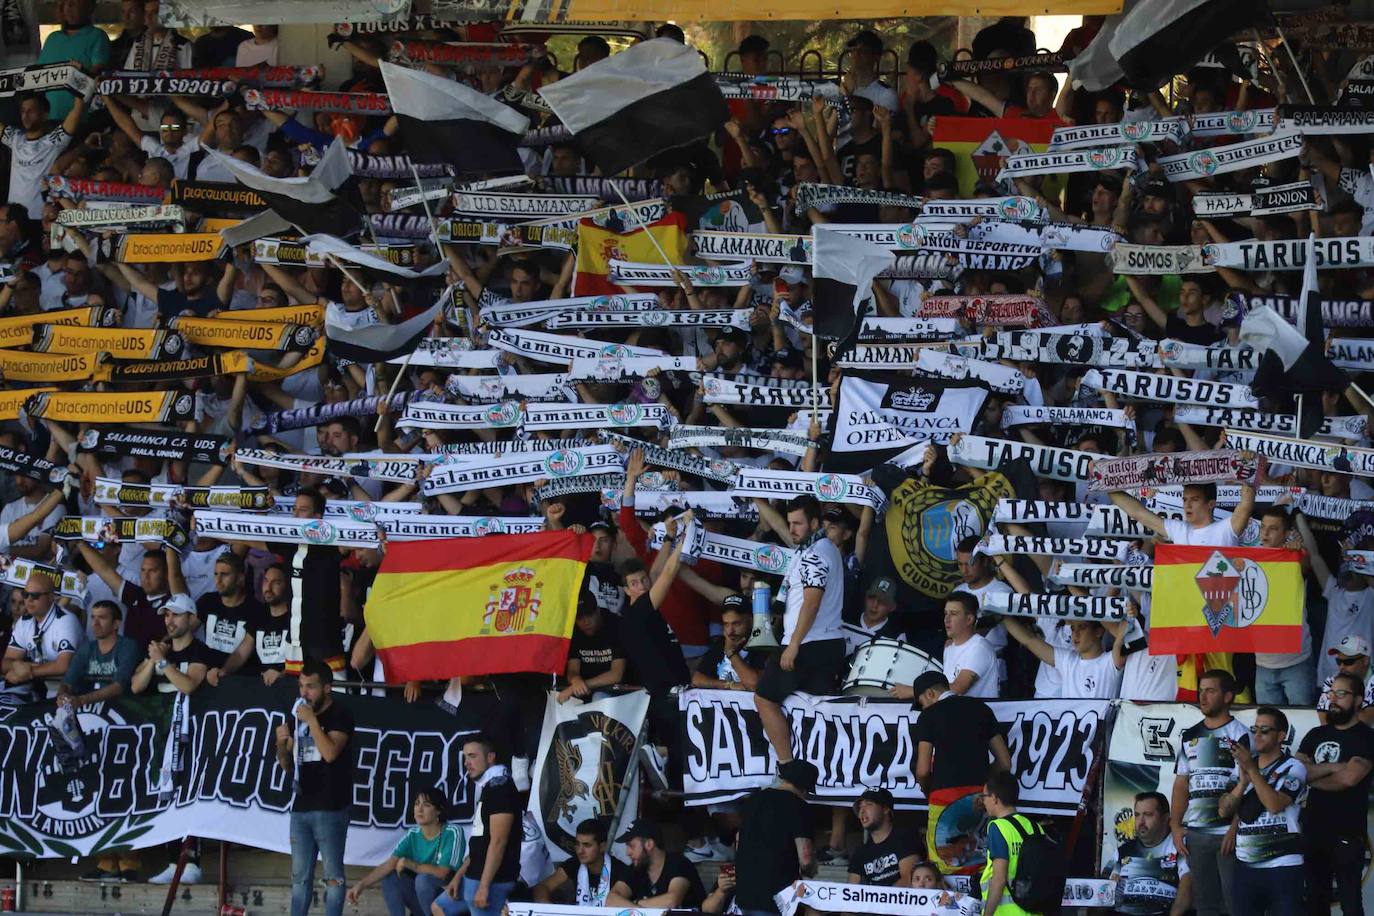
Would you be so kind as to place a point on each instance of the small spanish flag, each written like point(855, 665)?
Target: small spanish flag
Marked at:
point(616, 236)
point(491, 605)
point(1225, 599)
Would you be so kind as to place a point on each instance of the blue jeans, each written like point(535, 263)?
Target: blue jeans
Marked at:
point(496, 899)
point(1276, 891)
point(322, 832)
point(1295, 685)
point(413, 892)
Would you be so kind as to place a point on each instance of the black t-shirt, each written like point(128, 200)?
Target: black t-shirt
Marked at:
point(958, 729)
point(652, 648)
point(877, 863)
point(321, 623)
point(595, 653)
point(714, 664)
point(498, 797)
point(675, 865)
point(851, 151)
point(172, 302)
point(269, 639)
point(1204, 334)
point(771, 822)
point(323, 785)
point(620, 872)
point(603, 584)
point(1338, 814)
point(181, 659)
point(225, 626)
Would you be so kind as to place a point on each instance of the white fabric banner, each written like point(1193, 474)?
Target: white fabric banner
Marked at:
point(249, 526)
point(657, 318)
point(449, 353)
point(996, 545)
point(768, 440)
point(1218, 160)
point(1157, 260)
point(1338, 253)
point(631, 273)
point(615, 368)
point(1022, 415)
point(760, 247)
point(1171, 389)
point(1305, 453)
point(1171, 130)
point(1096, 575)
point(1178, 354)
point(720, 390)
point(436, 415)
point(1057, 607)
point(1045, 461)
point(429, 527)
point(477, 472)
point(1064, 159)
point(828, 488)
point(1257, 421)
point(946, 365)
point(542, 417)
point(557, 348)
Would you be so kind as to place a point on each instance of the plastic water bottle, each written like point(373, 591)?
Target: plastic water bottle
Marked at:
point(762, 598)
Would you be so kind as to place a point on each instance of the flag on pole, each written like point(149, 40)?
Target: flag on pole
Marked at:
point(308, 203)
point(1293, 360)
point(651, 98)
point(491, 605)
point(378, 343)
point(444, 121)
point(1225, 599)
point(844, 267)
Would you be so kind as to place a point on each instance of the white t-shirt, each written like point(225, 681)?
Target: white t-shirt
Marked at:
point(1087, 679)
point(1217, 534)
point(180, 158)
point(29, 163)
point(1048, 680)
point(59, 633)
point(250, 53)
point(198, 568)
point(1149, 678)
point(20, 508)
point(1347, 614)
point(818, 565)
point(974, 655)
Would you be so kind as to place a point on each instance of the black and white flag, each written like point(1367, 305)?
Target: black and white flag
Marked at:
point(445, 121)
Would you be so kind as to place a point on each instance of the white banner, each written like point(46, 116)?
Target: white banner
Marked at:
point(1058, 607)
point(768, 440)
point(1097, 575)
point(249, 526)
point(879, 415)
point(1045, 460)
point(657, 318)
point(946, 365)
point(479, 472)
point(963, 211)
point(493, 388)
point(746, 554)
point(1064, 159)
point(1257, 421)
point(1234, 157)
point(1315, 121)
point(828, 488)
point(1351, 353)
point(1073, 349)
point(721, 390)
point(1157, 260)
point(1232, 123)
point(613, 369)
point(892, 357)
point(449, 353)
point(996, 545)
point(542, 417)
point(526, 206)
point(762, 248)
point(874, 328)
point(868, 742)
point(557, 348)
point(1170, 130)
point(429, 527)
point(1305, 453)
point(631, 273)
point(826, 897)
point(1178, 354)
point(1171, 389)
point(435, 415)
point(1291, 254)
point(1022, 415)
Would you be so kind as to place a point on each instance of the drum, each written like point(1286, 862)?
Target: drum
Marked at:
point(884, 663)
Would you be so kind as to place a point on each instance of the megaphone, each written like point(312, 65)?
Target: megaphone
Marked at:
point(761, 637)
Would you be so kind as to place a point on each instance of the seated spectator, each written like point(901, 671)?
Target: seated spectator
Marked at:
point(592, 877)
point(660, 879)
point(422, 862)
point(888, 853)
point(729, 664)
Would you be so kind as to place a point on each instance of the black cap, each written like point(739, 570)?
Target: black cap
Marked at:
point(643, 829)
point(733, 602)
point(928, 681)
point(882, 587)
point(735, 335)
point(801, 774)
point(880, 796)
point(839, 515)
point(789, 358)
point(601, 525)
point(867, 39)
point(1157, 187)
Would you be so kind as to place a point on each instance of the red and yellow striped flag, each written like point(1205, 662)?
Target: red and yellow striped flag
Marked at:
point(489, 605)
point(979, 144)
point(599, 241)
point(1225, 599)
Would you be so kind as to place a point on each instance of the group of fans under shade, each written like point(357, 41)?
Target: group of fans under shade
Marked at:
point(1252, 823)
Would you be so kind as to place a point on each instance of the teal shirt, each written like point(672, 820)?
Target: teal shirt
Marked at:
point(447, 850)
point(1166, 295)
point(88, 46)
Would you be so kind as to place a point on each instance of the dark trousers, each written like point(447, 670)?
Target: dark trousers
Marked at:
point(1339, 858)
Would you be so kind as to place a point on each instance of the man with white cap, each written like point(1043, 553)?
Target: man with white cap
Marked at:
point(1352, 657)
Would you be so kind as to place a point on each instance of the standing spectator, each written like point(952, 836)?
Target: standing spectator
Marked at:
point(729, 664)
point(1150, 874)
point(77, 40)
point(1205, 771)
point(142, 601)
point(1352, 657)
point(660, 879)
point(1087, 671)
point(317, 749)
point(1349, 602)
point(172, 143)
point(264, 641)
point(422, 862)
point(1006, 831)
point(41, 645)
point(485, 883)
point(1289, 678)
point(812, 659)
point(260, 49)
point(176, 664)
point(888, 854)
point(954, 737)
point(1266, 803)
point(775, 839)
point(103, 666)
point(970, 661)
point(34, 146)
point(597, 877)
point(1339, 756)
point(227, 613)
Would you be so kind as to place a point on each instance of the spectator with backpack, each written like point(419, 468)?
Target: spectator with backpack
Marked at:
point(1024, 872)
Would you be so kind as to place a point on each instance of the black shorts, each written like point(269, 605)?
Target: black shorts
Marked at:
point(819, 667)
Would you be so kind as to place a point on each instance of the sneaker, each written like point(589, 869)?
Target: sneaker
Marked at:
point(713, 850)
point(656, 765)
point(100, 874)
point(832, 856)
point(189, 875)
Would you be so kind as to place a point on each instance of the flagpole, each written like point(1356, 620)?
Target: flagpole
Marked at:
point(1291, 56)
point(634, 215)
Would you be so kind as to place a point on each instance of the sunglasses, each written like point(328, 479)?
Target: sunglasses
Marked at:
point(781, 130)
point(34, 596)
point(171, 127)
point(1346, 662)
point(1263, 729)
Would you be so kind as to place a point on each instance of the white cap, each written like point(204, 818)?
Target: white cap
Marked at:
point(1351, 646)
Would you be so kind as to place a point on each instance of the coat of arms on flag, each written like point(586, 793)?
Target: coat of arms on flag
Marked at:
point(1226, 599)
point(513, 605)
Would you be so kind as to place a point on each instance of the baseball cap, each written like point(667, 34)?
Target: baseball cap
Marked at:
point(1351, 646)
point(734, 335)
point(178, 604)
point(839, 515)
point(601, 525)
point(801, 774)
point(1157, 187)
point(882, 587)
point(866, 39)
point(733, 602)
point(880, 796)
point(643, 829)
point(792, 275)
point(789, 358)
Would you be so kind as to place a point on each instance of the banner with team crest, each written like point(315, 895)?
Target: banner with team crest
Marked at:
point(588, 765)
point(120, 788)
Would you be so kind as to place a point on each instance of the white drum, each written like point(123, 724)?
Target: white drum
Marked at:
point(883, 664)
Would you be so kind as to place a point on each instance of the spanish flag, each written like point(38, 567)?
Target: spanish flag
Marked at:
point(1225, 599)
point(615, 235)
point(979, 144)
point(489, 605)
